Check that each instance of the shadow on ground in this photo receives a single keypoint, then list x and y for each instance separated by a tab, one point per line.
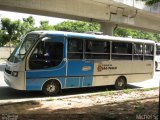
7	93
128	110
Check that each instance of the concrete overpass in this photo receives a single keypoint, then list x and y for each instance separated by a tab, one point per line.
110	13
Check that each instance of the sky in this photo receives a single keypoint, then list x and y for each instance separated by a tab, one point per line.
38	18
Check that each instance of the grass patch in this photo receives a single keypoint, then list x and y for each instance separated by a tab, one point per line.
127	91
107	93
148	89
50	99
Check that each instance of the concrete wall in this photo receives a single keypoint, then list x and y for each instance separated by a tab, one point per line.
5	52
155	8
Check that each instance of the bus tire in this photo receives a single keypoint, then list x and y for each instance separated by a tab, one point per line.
120	83
51	87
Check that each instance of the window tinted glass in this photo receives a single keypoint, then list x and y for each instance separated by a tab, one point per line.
158	50
75	48
138	51
97	46
46	54
121	51
97	49
148	52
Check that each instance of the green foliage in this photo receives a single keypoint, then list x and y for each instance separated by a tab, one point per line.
44	25
78	26
27	25
124	32
151	2
11	31
3	38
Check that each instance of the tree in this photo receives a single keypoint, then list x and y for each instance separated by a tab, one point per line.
77	26
44	25
151	2
3	38
124	32
28	25
10	29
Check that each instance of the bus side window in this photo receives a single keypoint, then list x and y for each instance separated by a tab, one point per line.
75	48
121	51
97	49
157	50
138	51
148	52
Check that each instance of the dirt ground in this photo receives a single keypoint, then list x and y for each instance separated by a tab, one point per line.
140	104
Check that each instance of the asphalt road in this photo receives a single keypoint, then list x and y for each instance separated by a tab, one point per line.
7	93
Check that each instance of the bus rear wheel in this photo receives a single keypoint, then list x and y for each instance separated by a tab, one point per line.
51	88
120	83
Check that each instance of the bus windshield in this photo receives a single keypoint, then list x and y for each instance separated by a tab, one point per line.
20	51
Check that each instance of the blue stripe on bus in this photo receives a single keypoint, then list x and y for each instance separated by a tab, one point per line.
36	84
75	68
60	70
77	77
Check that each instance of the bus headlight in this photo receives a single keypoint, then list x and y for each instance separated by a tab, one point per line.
14	73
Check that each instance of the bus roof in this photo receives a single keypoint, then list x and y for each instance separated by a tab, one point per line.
93	36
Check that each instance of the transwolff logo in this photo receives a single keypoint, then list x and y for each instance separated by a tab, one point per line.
102	67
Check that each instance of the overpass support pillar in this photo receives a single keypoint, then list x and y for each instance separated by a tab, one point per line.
107	28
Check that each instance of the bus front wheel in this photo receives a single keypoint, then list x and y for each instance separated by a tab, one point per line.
120	83
51	88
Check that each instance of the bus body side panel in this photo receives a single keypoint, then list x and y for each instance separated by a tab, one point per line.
157	60
37	83
106	72
36	78
80	73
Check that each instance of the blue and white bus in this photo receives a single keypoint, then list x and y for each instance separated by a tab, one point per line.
54	60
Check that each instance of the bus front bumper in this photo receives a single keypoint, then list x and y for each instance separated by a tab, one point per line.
14	82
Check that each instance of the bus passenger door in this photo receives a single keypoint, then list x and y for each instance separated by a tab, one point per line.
79	71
